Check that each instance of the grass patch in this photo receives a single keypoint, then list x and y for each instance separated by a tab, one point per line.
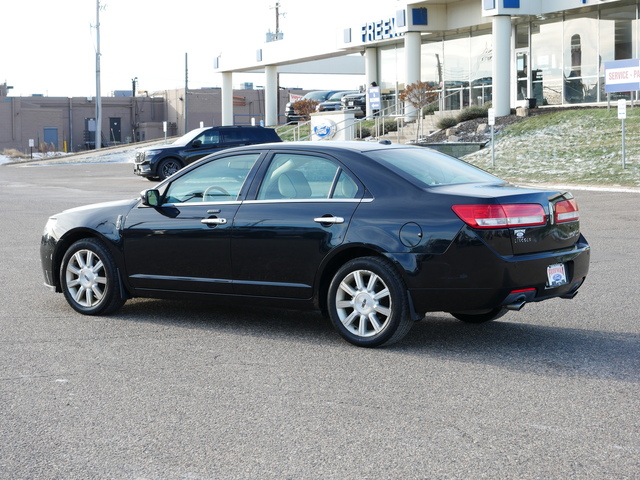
13	153
582	146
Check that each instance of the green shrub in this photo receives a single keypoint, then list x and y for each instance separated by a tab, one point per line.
367	128
471	113
446	122
431	109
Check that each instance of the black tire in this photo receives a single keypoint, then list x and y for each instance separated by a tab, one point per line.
168	167
368	303
480	317
89	278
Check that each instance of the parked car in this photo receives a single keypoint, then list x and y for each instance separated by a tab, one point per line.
333	103
355	103
318	96
373	235
161	161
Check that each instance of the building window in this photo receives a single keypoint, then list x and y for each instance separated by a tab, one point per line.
391	65
546	60
481	65
431	64
618	39
456	72
581	62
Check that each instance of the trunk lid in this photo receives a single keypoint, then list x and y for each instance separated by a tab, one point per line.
559	229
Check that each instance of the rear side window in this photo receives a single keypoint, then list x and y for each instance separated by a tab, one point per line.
264	135
235	137
428	168
300	177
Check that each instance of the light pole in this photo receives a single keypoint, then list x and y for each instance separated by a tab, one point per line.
134	81
98	139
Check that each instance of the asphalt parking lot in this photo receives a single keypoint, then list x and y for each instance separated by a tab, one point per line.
172	390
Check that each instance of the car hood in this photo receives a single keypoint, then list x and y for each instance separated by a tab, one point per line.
164	146
104	218
121	206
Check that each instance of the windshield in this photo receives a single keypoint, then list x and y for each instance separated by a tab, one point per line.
317	95
429	168
187	137
337	96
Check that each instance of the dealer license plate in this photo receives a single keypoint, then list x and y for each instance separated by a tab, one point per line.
556	275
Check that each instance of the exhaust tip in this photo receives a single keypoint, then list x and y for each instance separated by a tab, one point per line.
517	304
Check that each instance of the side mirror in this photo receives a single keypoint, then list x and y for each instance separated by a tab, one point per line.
150	198
196	143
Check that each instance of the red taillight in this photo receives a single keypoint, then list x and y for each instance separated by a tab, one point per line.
567	211
501	216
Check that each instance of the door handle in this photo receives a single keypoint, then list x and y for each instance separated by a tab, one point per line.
214	221
329	220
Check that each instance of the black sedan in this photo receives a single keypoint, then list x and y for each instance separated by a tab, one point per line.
373	235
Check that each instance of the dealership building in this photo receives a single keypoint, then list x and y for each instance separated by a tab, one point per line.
510	52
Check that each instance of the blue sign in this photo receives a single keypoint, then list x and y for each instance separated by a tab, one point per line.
374	97
325	129
622	76
380	30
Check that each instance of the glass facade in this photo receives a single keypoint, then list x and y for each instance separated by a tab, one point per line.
558	58
481	69
546	61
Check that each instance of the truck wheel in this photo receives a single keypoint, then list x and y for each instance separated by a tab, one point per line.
168	167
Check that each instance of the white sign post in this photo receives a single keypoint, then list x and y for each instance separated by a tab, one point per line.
492	121
622	115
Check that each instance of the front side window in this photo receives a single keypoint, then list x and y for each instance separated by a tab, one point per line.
218	181
210	137
297	176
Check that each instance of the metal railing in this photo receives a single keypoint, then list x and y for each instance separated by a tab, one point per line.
395	111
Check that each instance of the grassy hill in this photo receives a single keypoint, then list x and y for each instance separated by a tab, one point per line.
581	146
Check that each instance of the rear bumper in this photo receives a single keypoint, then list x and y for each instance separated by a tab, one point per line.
486	280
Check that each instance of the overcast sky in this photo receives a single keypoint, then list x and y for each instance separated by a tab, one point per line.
48	47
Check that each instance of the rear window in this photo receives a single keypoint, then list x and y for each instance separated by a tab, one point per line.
429	168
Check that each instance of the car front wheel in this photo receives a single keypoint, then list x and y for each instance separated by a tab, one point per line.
168	167
368	303
89	280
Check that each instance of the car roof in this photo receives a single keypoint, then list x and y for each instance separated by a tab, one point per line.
328	147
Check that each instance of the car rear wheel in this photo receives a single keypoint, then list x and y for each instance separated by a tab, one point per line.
368	303
168	167
480	317
89	278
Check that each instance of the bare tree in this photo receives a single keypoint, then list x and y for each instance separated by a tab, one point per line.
419	95
305	107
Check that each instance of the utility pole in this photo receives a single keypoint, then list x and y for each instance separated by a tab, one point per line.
134	109
277	7
186	92
272	37
98	139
